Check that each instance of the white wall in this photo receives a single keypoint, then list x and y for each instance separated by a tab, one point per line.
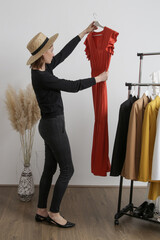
138	25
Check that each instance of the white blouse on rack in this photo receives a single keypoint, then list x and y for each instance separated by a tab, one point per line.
156	152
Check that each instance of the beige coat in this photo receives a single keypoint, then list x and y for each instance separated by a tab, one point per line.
133	151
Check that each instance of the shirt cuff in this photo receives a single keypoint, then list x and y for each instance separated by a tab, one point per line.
94	81
78	38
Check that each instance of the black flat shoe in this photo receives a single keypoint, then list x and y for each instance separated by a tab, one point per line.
139	210
40	218
67	225
149	211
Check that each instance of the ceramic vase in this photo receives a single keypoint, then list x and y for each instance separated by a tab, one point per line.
26	185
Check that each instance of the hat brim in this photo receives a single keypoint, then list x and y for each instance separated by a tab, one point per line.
33	58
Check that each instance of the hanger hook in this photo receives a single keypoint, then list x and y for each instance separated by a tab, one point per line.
94	15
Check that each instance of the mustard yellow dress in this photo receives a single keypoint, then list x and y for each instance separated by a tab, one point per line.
147	146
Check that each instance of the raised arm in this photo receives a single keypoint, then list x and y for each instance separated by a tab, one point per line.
65	52
89	29
69	47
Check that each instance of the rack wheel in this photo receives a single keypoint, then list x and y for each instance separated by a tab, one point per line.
116	222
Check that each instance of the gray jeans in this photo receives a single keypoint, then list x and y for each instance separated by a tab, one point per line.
57	150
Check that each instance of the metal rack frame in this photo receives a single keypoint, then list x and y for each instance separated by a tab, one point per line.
128	210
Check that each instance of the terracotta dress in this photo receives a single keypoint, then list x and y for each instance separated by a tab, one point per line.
99	48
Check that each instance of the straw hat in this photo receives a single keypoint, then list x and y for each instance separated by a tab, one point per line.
38	45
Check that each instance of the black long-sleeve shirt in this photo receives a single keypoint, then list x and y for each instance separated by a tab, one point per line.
48	87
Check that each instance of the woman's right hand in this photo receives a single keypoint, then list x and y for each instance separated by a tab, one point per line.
102	77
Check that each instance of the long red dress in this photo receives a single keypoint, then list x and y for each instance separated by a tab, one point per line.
99	48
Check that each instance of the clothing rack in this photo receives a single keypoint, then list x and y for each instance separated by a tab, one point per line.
128	210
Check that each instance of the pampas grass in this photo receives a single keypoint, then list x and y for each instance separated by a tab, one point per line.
23	113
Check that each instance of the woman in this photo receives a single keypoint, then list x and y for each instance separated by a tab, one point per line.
47	88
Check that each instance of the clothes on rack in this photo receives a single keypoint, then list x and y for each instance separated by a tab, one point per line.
147	147
154	190
156	152
135	142
133	151
155	79
99	48
148	139
119	149
130	207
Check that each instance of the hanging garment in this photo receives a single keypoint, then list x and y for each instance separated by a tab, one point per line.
154	190
133	151
99	48
119	149
156	152
148	140
155	79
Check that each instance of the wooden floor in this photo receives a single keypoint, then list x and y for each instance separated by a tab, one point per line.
92	209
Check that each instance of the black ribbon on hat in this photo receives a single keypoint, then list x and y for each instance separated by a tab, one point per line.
41	46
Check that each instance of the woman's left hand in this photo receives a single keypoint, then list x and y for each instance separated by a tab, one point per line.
90	28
